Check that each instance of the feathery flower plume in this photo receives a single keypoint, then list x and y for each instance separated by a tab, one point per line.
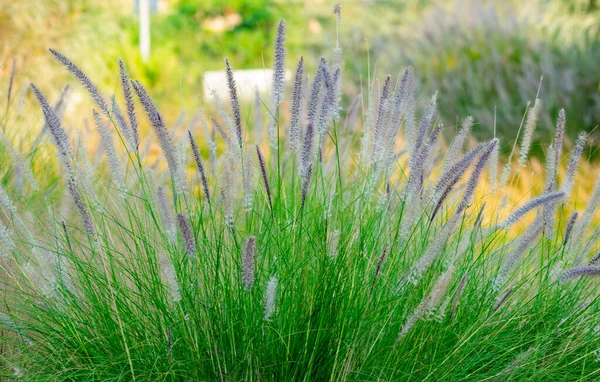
522	245
314	93
121	123
426	122
337	51
476	175
11	81
165	211
212	146
248	263
263	174
270	297
88	224
295	119
569	227
235	103
108	144
429	303
258	117
459	291
398	109
503	299
222	132
582	225
249	171
457	144
380	262
225	116
84	79
494	160
434	250
85	173
451	176
530	205
279	65
133	123
168	271
162	133
576	272
378	129
594	260
530	124
228	187
573	163
188	236
559	136
307	150
409	115
59	136
199	166
306	182
328	106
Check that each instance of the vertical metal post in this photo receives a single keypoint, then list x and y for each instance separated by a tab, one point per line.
144	11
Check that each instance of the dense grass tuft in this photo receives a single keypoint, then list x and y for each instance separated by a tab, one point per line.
381	257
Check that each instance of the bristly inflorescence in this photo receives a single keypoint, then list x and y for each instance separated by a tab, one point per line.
248	263
586	270
85	81
162	133
295	112
130	104
199	166
188	236
264	175
235	103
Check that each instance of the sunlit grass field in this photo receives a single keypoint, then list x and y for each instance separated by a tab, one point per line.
355	241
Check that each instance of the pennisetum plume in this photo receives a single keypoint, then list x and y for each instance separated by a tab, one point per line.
278	75
264	176
166	215
532	116
228	187
457	144
235	103
59	136
199	166
429	303
249	172
573	163
296	98
108	145
569	227
271	297
576	272
248	263
534	203
164	137
130	105
85	81
168	272
378	128
188	236
122	124
594	260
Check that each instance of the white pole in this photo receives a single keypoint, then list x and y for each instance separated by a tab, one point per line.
144	10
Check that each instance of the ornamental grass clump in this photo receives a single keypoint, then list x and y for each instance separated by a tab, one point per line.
380	254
